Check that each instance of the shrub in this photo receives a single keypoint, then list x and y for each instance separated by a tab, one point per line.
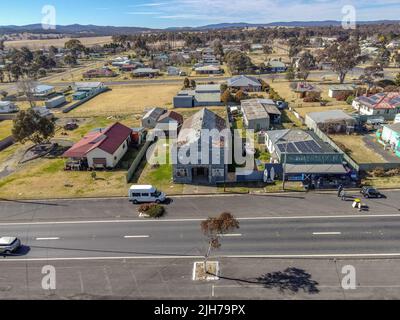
153	210
349	100
343	96
378	172
312	97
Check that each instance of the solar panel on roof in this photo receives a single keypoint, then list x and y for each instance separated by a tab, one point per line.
314	146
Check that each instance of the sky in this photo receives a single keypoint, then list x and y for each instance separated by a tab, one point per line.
192	13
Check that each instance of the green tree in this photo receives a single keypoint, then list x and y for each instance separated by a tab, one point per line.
290	74
186	83
218	48
305	64
344	57
267	49
30	126
397	80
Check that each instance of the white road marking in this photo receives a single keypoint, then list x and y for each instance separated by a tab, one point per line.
230	235
51	238
272	256
199	219
326	233
129	237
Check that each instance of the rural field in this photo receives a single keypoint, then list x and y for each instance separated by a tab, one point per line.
122	100
46	43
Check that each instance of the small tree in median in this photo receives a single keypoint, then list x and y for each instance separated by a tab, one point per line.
214	228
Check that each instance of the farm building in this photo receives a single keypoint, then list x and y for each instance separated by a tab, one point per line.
200	149
331	121
99	149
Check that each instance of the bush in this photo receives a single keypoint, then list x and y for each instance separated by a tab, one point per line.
349	100
343	96
378	172
312	97
153	210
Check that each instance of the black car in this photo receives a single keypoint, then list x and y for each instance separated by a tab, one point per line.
369	192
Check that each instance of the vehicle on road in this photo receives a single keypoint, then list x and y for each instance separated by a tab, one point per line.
9	244
369	192
145	193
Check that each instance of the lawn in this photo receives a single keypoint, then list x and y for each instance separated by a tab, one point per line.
46	178
5	129
355	147
124	100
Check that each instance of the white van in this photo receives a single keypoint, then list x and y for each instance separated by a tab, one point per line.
145	193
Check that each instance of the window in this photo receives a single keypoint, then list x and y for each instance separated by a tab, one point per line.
145	194
123	146
181	173
136	195
115	158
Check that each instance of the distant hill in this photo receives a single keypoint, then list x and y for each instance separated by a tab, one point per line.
93	30
75	29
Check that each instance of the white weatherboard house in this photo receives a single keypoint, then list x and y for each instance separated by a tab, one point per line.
386	105
102	148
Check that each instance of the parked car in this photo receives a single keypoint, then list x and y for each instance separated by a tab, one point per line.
9	244
145	193
369	192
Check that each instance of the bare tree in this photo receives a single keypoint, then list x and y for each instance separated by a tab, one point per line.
27	87
214	228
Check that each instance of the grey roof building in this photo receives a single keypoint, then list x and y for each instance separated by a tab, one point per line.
203	96
151	117
200	149
302	148
258	114
331	121
244	83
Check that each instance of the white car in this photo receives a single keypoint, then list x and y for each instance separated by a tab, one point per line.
9	244
145	193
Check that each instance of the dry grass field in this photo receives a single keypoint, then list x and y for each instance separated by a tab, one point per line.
123	100
46	43
5	128
357	149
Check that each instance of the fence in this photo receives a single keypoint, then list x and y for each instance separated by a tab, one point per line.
77	104
135	164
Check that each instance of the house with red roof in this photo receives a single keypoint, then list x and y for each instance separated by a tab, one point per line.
100	149
383	104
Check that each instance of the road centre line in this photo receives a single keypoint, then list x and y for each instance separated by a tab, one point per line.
198	219
230	235
143	236
50	238
272	256
326	233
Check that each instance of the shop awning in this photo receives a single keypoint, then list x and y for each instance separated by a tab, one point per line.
315	168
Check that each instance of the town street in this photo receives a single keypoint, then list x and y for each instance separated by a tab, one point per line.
198	206
373	236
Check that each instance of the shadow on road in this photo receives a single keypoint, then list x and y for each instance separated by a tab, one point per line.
290	280
22	251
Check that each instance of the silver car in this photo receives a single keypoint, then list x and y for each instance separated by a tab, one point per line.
9	244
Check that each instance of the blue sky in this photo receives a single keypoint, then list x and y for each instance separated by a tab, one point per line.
176	13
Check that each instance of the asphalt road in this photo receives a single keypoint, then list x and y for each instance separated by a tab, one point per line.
272	237
262	205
